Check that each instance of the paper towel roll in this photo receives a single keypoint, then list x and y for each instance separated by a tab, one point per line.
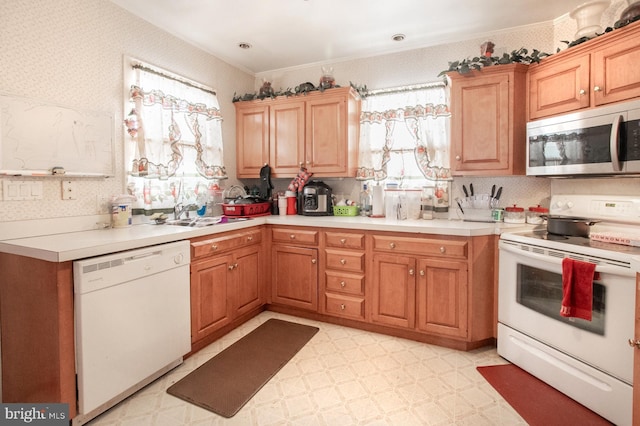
377	201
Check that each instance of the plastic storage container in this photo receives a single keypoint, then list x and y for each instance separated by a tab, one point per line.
121	211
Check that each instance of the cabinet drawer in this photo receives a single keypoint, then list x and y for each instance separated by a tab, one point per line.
424	247
344	306
206	247
294	236
345	240
343	260
345	283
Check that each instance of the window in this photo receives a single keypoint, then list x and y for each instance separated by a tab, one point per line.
404	136
174	148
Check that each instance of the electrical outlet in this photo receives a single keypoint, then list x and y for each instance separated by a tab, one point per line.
69	190
103	203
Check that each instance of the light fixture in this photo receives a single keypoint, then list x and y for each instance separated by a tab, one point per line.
398	37
244	45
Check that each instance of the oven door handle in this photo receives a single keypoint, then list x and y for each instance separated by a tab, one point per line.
603	269
614	143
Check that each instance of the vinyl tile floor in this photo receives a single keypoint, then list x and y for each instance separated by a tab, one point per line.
343	376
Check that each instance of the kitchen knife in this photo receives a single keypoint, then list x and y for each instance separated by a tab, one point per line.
471	189
464	189
498	193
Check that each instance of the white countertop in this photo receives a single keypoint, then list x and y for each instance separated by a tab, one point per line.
68	246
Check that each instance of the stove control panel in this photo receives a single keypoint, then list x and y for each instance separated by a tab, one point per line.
617	208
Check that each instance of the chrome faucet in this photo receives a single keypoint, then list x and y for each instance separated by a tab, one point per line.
178	209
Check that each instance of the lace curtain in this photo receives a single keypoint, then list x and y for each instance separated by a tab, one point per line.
176	127
404	134
174	150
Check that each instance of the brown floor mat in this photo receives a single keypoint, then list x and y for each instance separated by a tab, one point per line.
225	383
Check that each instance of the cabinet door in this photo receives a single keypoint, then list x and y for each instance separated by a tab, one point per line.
286	152
295	276
394	290
248	268
211	306
558	87
442	297
252	139
480	111
616	74
326	136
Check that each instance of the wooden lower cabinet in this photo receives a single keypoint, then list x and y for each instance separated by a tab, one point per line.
227	285
295	276
442	297
447	295
394	290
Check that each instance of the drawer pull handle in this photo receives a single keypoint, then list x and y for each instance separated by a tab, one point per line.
314	261
597	89
392	245
343	241
214	247
250	238
411	272
343	261
292	236
233	266
342	306
443	249
343	284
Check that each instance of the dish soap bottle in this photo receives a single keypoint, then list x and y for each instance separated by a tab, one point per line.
365	201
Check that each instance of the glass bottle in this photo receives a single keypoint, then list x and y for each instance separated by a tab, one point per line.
365	201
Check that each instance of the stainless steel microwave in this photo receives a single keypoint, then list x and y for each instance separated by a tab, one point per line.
602	141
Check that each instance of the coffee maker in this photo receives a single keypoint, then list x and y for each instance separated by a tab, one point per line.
315	199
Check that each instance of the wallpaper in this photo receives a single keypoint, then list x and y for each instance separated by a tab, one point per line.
70	52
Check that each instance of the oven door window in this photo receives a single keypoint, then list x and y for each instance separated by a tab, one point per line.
541	291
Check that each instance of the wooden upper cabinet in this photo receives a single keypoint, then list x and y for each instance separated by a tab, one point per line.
318	130
488	121
252	128
560	87
600	71
616	70
286	137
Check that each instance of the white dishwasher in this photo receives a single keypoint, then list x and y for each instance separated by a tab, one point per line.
132	315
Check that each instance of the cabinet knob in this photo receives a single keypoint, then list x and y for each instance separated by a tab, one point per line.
422	272
458	157
411	272
342	306
343	241
292	236
314	261
233	266
582	92
343	284
597	89
343	261
214	247
392	245
250	238
443	249
635	343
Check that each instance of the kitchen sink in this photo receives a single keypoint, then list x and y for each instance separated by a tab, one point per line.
205	221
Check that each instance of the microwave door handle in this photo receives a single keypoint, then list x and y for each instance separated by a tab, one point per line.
614	143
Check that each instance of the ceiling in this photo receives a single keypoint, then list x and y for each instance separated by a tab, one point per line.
289	33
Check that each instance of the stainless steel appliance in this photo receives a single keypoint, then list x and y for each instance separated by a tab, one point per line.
132	314
590	361
599	141
316	199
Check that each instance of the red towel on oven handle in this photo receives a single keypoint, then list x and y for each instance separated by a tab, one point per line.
577	288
